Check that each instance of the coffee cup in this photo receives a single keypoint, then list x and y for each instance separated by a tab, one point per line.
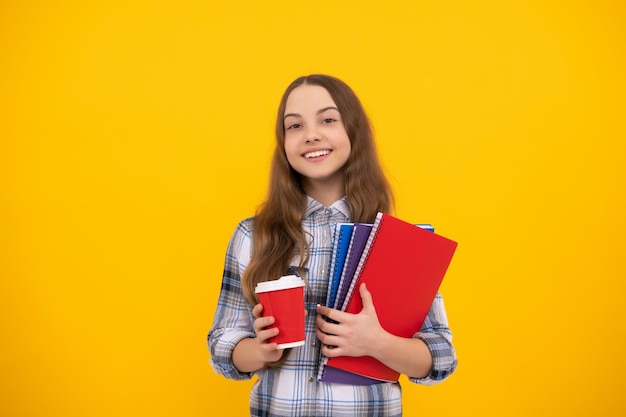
284	299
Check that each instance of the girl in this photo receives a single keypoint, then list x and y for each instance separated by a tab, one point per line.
324	170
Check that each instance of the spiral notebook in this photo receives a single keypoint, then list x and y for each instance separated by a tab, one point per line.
358	240
403	267
341	243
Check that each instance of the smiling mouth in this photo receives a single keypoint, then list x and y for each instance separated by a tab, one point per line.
316	154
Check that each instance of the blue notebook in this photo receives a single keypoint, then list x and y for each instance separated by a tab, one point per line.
341	243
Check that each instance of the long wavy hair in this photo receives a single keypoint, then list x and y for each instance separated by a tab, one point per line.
277	230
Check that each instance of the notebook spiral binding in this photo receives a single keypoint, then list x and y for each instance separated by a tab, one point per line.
366	253
334	266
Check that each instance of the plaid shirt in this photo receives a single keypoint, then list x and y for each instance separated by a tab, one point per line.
293	389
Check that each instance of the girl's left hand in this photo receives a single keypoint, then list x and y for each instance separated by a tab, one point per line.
355	334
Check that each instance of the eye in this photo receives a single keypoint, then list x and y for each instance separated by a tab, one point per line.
293	126
328	120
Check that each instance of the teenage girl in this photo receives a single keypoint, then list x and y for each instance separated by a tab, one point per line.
324	170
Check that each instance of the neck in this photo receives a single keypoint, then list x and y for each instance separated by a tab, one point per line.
325	193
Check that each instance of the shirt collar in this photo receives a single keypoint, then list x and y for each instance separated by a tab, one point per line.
340	205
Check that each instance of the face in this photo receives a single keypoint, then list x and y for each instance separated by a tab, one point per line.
316	143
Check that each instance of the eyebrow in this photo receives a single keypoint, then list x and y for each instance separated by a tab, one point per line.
320	111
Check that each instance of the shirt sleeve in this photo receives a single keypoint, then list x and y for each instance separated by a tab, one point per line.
438	337
233	316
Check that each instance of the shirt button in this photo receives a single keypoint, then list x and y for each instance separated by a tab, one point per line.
313	344
311	379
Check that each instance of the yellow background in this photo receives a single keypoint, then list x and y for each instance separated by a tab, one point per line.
134	135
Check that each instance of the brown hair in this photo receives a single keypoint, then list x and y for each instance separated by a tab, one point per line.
277	230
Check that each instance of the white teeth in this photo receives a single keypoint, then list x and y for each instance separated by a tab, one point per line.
316	154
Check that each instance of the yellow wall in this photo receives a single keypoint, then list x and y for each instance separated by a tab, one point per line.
135	134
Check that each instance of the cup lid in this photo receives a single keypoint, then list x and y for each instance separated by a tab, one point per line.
283	283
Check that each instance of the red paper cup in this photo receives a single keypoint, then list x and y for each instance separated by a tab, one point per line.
284	299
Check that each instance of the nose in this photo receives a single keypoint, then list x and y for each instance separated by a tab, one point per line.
312	135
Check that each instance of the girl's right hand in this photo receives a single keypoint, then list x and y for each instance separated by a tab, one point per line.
269	350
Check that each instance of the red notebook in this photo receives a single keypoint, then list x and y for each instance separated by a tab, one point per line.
403	267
